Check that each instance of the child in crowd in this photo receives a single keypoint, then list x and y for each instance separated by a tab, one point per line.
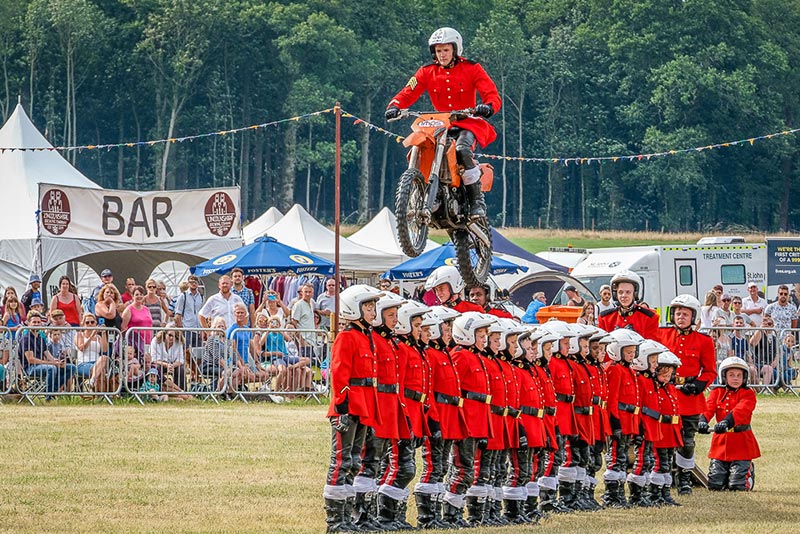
152	389
733	446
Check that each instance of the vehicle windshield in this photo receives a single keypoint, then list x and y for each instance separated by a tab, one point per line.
561	297
594	283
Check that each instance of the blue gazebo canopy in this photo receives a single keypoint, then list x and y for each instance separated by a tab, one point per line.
265	255
424	264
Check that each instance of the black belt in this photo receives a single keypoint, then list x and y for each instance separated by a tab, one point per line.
513	412
582	410
630	408
740	428
414	395
364	382
479	397
498	410
670	419
388	388
596	400
452	400
549	410
565	398
535	412
651	413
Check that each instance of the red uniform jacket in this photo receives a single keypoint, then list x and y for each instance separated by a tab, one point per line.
564	387
602	426
454	88
583	407
732	445
462	306
353	361
416	384
698	360
474	380
393	418
643	321
512	420
671	433
548	394
530	403
497	312
499	405
623	397
650	414
447	387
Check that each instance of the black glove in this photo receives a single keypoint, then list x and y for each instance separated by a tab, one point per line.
616	425
523	439
341	423
702	426
343	407
690	388
484	110
435	428
721	427
391	113
482	443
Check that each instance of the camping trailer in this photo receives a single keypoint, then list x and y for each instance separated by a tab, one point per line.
670	270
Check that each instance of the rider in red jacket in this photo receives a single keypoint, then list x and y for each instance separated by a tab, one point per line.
451	82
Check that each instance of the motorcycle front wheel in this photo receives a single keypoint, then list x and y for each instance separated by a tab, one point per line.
412	227
473	256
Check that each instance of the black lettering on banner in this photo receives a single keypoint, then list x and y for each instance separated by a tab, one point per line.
114	215
159	216
138	218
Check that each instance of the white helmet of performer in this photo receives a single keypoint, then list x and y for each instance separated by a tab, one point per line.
446	36
667	358
388	300
623	337
626	276
544	337
441	314
466	324
560	330
407	312
647	348
446	274
582	331
509	327
733	362
351	299
684	301
601	336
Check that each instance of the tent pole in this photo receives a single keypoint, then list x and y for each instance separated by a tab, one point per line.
337	209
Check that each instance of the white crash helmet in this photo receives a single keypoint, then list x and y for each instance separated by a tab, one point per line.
582	331
546	337
560	330
601	336
733	362
441	314
668	358
388	300
351	299
684	301
623	337
444	36
510	327
446	274
408	311
626	276
465	325
647	348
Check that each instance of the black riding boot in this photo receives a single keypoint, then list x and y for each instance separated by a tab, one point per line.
364	513
531	508
453	516
610	497
639	496
566	492
387	512
426	515
475	509
336	517
477	204
684	481
400	517
666	498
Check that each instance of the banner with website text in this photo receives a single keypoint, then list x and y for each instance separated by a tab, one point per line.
138	216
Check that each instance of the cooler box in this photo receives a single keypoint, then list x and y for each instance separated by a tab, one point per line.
568	314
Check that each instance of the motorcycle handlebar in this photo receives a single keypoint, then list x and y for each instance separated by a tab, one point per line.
457	114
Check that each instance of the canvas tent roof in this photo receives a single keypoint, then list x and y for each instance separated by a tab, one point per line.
259	226
300	230
375	234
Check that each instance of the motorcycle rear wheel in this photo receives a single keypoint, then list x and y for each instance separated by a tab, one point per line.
412	230
474	269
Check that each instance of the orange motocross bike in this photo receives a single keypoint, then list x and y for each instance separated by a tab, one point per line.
430	195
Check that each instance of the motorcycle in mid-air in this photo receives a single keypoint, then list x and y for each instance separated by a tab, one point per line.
430	195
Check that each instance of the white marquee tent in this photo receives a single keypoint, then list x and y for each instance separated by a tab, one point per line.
259	227
22	250
300	230
375	234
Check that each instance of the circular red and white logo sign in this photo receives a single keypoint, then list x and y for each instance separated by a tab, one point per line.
220	213
55	212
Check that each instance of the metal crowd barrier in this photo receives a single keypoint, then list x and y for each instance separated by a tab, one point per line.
773	357
71	375
8	362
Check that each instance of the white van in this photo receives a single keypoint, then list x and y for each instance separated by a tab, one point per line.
670	270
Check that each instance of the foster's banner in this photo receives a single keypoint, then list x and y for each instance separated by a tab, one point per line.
138	216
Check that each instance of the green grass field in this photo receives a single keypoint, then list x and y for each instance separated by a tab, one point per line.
197	467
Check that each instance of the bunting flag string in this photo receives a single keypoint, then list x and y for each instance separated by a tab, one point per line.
171	139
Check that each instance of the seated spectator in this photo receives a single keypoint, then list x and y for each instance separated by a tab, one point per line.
538	301
152	389
5	355
108	307
168	357
790	354
722	344
242	336
273	305
216	356
709	310
764	345
12	317
272	348
67	336
135	360
298	359
37	360
92	354
739	344
736	305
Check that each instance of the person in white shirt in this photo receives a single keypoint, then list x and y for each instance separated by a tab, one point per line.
782	311
605	300
708	311
736	304
168	356
753	305
221	304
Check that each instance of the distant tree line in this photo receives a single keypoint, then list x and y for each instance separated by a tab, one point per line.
578	77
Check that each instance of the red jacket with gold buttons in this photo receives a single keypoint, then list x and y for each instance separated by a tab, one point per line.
671	427
460	305
530	401
602	427
451	89
472	372
542	370
498	387
650	414
416	382
623	397
564	387
353	359
583	401
393	418
698	361
447	382
643	321
738	405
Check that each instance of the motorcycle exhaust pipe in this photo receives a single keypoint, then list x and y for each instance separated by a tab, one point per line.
478	232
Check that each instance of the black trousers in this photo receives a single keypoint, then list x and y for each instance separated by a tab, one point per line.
434	461
738	475
461	472
346	454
